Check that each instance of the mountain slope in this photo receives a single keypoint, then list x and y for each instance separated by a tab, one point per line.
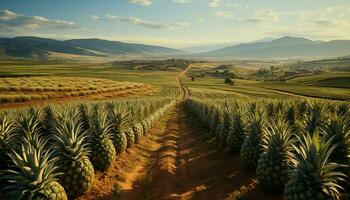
286	47
114	47
41	47
36	47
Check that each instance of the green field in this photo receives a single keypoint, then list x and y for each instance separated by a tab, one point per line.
328	85
331	79
95	70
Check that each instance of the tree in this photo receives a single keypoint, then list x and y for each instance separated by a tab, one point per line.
229	81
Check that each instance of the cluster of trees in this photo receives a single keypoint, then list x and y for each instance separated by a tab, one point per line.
224	73
229	81
164	65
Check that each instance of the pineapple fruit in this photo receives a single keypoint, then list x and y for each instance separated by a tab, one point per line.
272	169
103	152
251	148
70	144
237	132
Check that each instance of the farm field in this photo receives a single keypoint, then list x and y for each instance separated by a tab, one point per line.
332	79
174	100
92	70
188	140
330	85
49	87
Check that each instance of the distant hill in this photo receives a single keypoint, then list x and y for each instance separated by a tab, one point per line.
285	47
211	47
205	48
41	47
114	47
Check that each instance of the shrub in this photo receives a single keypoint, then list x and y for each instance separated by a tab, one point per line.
229	81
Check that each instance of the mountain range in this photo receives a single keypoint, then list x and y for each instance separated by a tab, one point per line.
41	47
269	48
284	48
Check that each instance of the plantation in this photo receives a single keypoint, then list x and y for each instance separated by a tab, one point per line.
45	87
297	147
53	152
179	138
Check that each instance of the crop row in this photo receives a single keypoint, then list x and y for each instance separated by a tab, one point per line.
53	152
299	148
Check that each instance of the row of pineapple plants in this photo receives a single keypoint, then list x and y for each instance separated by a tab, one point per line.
299	148
53	152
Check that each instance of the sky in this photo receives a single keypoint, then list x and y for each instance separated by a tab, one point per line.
176	23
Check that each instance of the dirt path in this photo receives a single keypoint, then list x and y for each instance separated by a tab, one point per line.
190	166
185	92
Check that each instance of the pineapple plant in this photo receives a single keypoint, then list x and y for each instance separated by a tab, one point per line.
270	109
145	126
33	175
27	122
291	115
219	126
118	119
100	139
303	107
273	165
138	131
136	115
313	120
204	113
338	131
313	175
49	117
72	150
84	116
343	108
214	119
223	128
237	132
7	137
251	148
129	133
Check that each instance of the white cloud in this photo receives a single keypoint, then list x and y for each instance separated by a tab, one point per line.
234	5
329	23
12	20
223	14
214	3
95	17
182	1
147	24
150	2
202	20
142	2
265	15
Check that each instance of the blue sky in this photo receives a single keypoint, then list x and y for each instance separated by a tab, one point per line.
176	23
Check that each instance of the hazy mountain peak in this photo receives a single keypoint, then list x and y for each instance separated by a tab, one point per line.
285	47
295	40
